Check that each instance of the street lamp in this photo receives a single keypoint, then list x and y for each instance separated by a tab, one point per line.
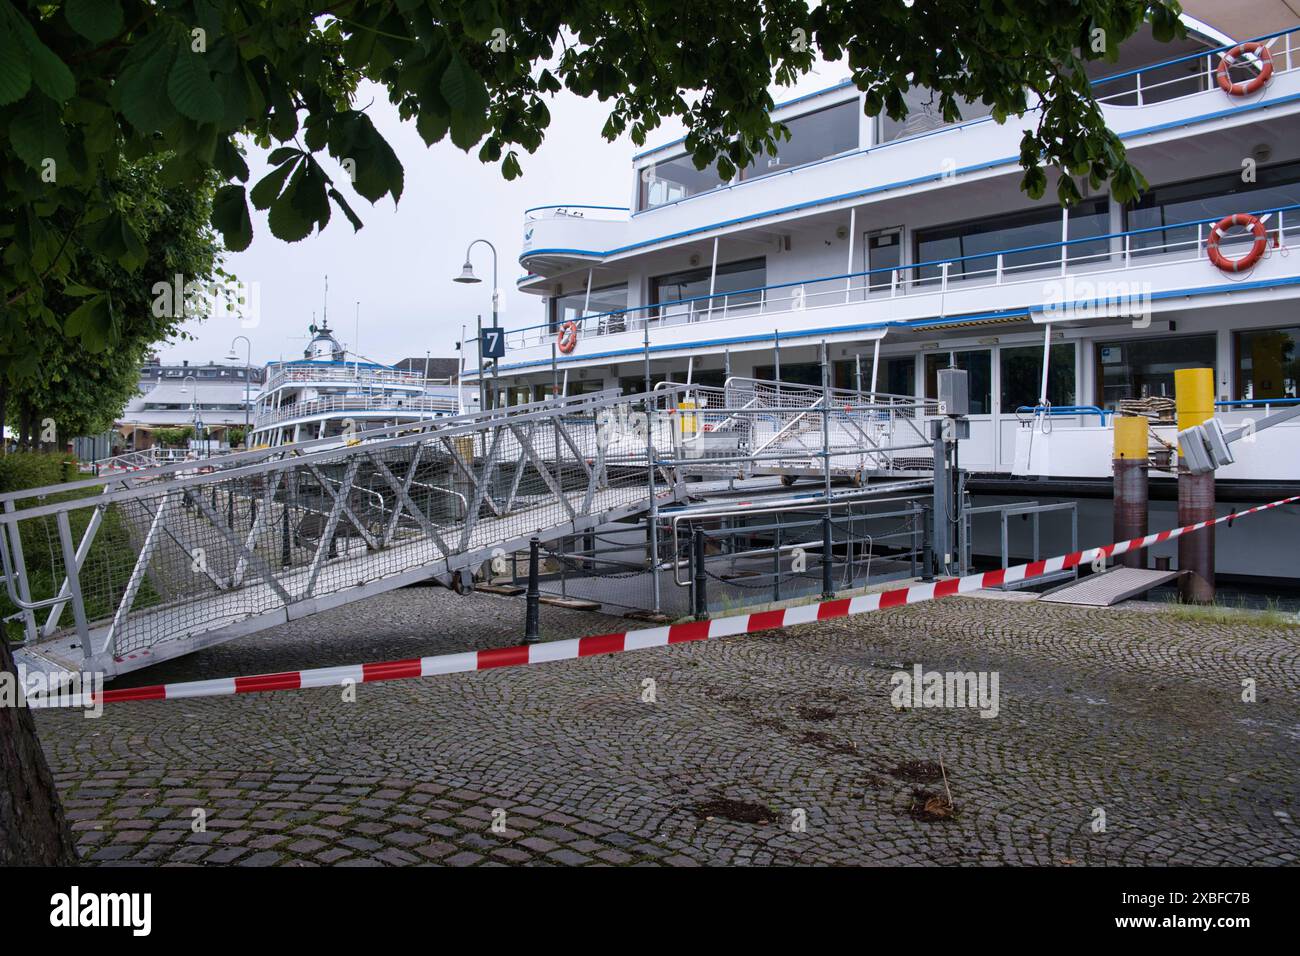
194	402
248	374
467	276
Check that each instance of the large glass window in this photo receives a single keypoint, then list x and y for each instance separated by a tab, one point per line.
924	114
894	376
985	238
1210	198
1268	363
794	373
1144	368
570	306
813	136
979	366
1022	376
735	280
669	180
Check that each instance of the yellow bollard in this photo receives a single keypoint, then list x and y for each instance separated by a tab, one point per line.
1194	399
1130	472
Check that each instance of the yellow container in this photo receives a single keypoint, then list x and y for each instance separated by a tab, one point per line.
690	421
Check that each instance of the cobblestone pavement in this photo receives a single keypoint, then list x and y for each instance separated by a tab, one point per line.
1136	714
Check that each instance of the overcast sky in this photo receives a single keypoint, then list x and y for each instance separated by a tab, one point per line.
399	267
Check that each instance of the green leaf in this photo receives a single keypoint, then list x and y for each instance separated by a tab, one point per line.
144	76
96	20
15	77
271	184
37	133
463	88
230	217
49	72
92	321
347	210
191	88
285	219
431	125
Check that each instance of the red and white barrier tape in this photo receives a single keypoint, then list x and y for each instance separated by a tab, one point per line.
630	640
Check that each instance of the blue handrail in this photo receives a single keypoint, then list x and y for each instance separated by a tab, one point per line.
910	266
1257	401
1065	410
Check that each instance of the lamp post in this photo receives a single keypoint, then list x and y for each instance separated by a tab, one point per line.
194	402
248	374
467	275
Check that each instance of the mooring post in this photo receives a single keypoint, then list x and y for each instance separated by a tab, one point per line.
533	599
1194	397
1130	470
927	543
828	560
701	584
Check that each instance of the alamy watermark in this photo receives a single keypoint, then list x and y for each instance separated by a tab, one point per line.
1075	298
922	688
79	689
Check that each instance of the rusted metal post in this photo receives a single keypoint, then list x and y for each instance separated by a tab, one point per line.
1131	471
533	599
1194	395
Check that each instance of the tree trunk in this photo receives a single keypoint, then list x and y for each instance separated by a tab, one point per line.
33	829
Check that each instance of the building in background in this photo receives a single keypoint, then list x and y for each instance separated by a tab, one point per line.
219	396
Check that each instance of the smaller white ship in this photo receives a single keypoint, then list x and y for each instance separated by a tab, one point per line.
330	392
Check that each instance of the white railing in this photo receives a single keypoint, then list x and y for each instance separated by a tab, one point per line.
351	374
1145	85
420	406
1050	263
577	211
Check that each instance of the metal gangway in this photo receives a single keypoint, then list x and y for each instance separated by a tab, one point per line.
117	572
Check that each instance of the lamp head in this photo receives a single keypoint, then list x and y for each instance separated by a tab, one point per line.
467	274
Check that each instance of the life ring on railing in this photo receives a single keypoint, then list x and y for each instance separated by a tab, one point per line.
1245	87
1254	224
567	340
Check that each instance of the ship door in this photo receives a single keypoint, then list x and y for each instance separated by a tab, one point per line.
884	252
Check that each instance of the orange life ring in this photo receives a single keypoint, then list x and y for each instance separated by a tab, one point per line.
1254	224
1246	87
567	340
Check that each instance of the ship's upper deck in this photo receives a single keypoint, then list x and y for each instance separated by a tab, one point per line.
838	158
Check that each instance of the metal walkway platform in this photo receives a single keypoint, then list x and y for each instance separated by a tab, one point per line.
1109	587
159	562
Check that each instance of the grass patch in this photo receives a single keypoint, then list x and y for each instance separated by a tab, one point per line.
1236	611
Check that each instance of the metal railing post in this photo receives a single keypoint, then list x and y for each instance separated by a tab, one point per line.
533	599
701	584
828	558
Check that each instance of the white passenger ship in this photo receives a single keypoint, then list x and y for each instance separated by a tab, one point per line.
907	247
327	394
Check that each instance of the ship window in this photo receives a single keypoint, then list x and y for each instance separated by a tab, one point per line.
1268	363
894	376
1210	198
979	365
792	373
635	384
813	136
584	387
924	114
611	298
672	179
1022	376
984	239
1144	368
738	281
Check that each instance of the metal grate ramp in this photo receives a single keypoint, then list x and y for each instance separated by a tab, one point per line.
1109	587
